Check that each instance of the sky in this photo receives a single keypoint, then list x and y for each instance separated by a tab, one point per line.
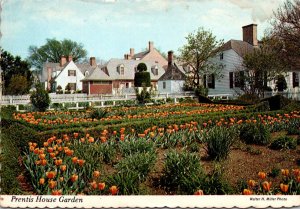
109	28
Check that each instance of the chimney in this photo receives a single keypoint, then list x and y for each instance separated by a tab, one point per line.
170	58
131	52
126	56
63	60
70	58
250	34
49	77
93	61
151	46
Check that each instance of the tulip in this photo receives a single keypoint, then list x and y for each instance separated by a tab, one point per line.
94	185
58	162
199	192
80	162
266	186
96	174
52	184
251	183
74	160
42	181
298	179
101	186
61	179
285	172
42	156
82	140
91	139
46	144
50	174
247	192
113	190
284	187
63	168
262	175
296	172
52	155
103	139
56	192
75	135
74	178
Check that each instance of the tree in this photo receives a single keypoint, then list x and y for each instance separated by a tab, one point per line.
40	98
260	66
286	28
196	53
15	70
53	50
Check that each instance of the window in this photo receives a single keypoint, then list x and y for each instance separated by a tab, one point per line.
164	85
221	56
86	73
127	85
121	69
101	82
236	79
237	82
71	72
154	70
71	86
211	81
295	79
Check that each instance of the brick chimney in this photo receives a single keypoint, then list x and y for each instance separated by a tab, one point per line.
151	46
63	60
126	56
250	34
69	58
170	58
131	52
93	61
49	77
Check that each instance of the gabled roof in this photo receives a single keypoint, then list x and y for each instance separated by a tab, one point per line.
173	72
129	69
141	54
240	47
97	75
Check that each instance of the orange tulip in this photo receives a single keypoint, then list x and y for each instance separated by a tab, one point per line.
96	174
42	156
80	162
296	172
36	151
50	149
52	155
113	190
247	192
52	184
43	162
42	181
74	178
101	186
63	168
251	183
56	192
262	175
91	139
199	192
285	172
69	152
284	187
266	186
298	179
103	139
82	140
46	144
74	160
50	174
58	162
75	135
94	184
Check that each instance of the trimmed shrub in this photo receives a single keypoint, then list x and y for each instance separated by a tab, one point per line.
277	102
142	67
255	133
219	141
249	98
182	172
142	79
40	98
284	142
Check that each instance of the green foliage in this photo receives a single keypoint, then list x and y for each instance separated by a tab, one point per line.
16	73
255	133
182	172
142	79
142	67
277	102
201	90
40	98
98	113
53	50
133	146
219	141
143	97
274	172
249	98
140	163
108	152
283	142
292	106
262	106
201	45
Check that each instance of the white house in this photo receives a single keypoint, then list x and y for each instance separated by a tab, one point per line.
172	81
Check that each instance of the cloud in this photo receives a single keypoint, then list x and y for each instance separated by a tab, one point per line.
260	10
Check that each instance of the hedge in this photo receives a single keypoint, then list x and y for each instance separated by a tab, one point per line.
142	79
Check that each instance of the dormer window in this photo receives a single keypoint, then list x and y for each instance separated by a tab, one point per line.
154	70
135	69
86	73
121	69
221	56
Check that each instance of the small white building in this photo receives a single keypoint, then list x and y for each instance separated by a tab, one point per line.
172	81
